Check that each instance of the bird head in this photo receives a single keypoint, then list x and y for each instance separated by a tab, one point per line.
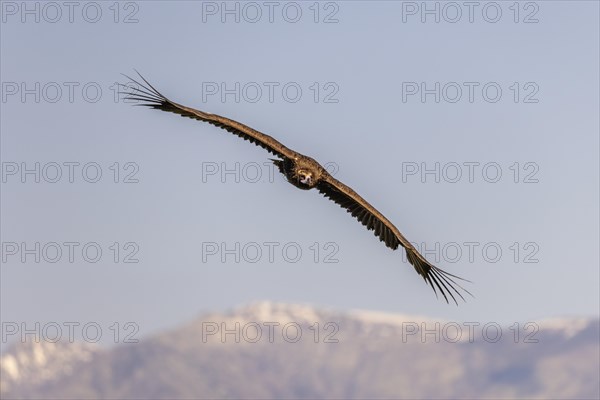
305	177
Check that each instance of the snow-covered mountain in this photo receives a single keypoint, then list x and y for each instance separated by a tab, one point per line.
35	363
272	350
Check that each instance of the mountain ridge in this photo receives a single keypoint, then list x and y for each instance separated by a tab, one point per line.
360	354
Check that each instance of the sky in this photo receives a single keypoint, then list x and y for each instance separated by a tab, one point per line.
473	128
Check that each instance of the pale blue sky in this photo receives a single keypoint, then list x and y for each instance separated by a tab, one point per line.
370	133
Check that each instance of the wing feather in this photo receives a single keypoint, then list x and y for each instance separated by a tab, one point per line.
150	97
391	236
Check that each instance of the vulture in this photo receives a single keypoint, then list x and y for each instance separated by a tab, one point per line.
306	173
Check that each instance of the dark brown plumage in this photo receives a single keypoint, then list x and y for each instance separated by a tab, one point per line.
306	173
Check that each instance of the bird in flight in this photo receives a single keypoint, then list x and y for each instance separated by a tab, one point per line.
306	173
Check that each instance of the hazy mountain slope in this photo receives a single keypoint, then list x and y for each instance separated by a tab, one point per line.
372	359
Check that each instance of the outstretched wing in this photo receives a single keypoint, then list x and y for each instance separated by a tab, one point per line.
389	234
154	99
